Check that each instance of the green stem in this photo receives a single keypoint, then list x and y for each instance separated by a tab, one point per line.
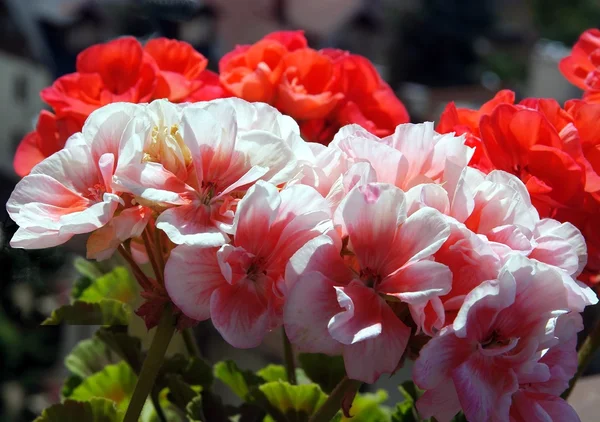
190	342
584	356
157	407
288	354
151	366
334	402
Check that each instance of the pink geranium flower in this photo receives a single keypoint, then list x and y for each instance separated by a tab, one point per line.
217	150
240	285
71	192
497	343
353	295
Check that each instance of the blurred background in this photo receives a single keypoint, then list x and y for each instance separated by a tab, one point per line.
430	51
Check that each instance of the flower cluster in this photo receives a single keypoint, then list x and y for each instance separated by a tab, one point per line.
582	67
322	90
120	70
366	248
554	151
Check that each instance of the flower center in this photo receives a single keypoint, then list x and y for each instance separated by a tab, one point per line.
167	147
96	192
207	192
369	277
495	341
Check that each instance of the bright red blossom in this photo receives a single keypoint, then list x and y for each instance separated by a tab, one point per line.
582	67
48	137
117	71
466	121
181	70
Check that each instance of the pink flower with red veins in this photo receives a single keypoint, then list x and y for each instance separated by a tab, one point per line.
240	285
71	192
497	343
354	295
218	150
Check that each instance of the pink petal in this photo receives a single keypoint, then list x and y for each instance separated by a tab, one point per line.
367	360
129	223
421	235
482	305
417	282
240	313
211	140
388	163
439	357
320	254
310	304
440	402
483	390
427	195
191	225
361	318
192	274
254	216
371	215
537	407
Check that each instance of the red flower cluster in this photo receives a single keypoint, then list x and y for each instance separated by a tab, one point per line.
582	67
555	151
121	70
322	90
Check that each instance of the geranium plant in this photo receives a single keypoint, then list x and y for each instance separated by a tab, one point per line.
309	204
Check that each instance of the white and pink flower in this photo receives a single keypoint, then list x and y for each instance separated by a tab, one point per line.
240	285
346	293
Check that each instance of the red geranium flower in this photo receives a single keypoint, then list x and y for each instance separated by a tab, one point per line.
464	121
252	72
369	100
118	70
181	70
556	154
307	87
49	137
582	67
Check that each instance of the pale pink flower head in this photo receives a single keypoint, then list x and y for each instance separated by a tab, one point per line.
240	285
414	154
71	192
354	295
496	342
219	149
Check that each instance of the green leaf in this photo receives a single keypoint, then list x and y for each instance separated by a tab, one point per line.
193	370
194	410
327	371
96	410
129	348
89	357
180	392
368	408
405	410
88	269
104	312
240	382
72	382
115	382
273	372
295	402
117	284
